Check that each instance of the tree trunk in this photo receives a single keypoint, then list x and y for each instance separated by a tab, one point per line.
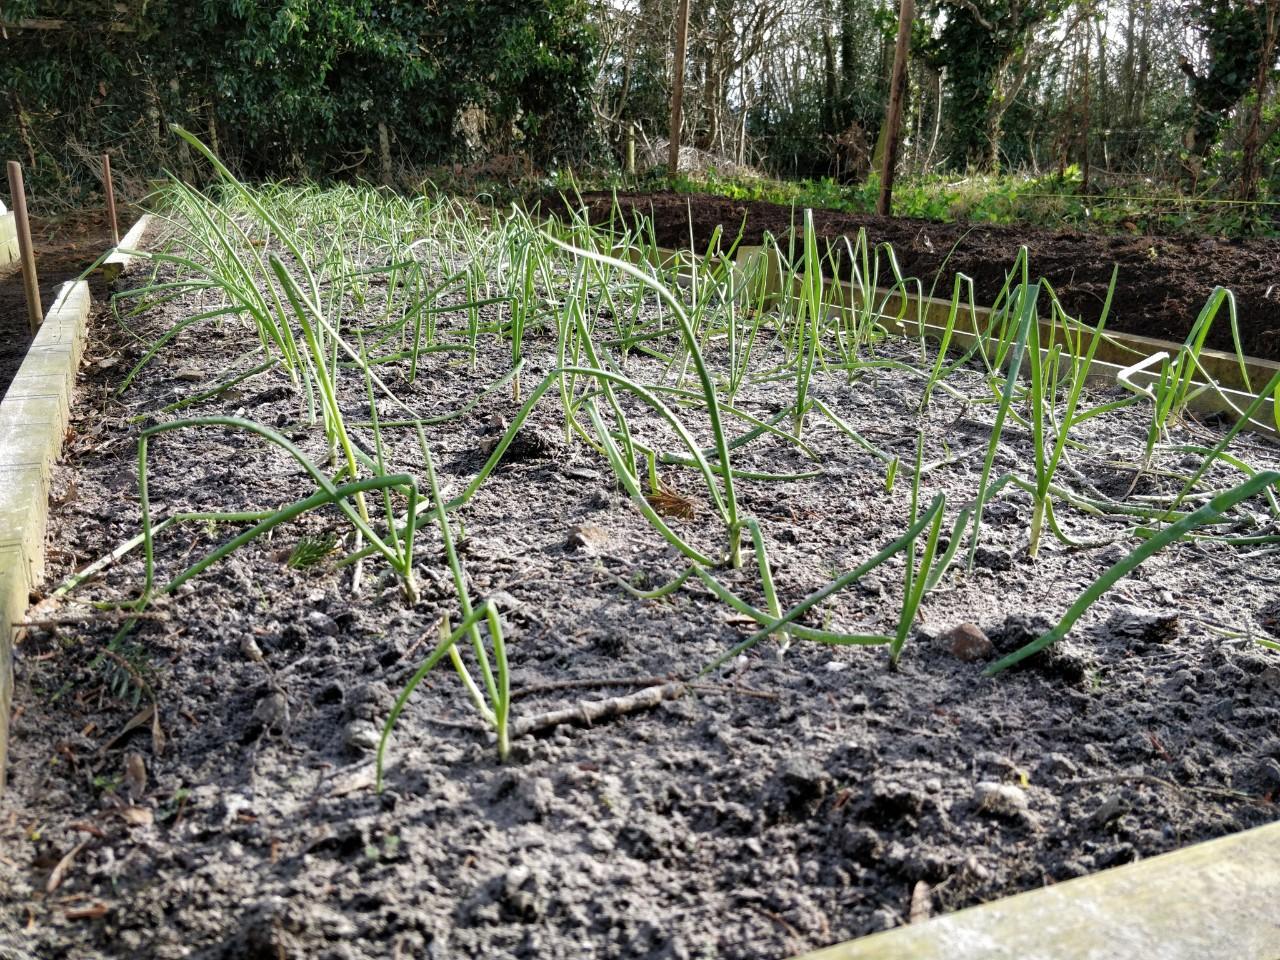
831	85
1251	163
677	88
1084	127
848	62
893	118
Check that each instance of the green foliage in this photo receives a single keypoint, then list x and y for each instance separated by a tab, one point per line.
311	551
1051	200
1231	30
297	87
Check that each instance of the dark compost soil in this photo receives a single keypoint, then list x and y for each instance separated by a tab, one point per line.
1162	285
795	801
64	246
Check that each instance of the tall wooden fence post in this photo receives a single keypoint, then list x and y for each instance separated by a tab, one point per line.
384	152
893	119
111	199
30	283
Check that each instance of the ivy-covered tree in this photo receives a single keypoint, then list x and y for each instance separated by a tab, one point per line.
979	43
1240	51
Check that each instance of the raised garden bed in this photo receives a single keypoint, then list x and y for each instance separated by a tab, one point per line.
204	782
1163	281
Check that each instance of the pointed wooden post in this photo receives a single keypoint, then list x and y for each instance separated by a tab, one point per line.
111	199
17	192
677	88
893	117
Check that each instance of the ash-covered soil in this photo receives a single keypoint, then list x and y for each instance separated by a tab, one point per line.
206	790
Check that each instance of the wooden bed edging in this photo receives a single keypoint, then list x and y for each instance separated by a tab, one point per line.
8	238
909	315
1210	901
34	415
121	256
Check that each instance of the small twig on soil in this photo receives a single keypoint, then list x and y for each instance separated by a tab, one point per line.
733	688
591	711
63	866
1160	782
596	682
776	918
471	726
110	616
591	683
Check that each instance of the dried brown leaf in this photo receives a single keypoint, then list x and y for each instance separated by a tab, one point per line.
63	866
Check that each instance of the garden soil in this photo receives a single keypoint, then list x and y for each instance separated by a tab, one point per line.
206	789
1162	284
64	247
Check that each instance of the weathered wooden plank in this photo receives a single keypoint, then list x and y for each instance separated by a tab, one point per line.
8	238
33	420
122	255
1210	901
910	315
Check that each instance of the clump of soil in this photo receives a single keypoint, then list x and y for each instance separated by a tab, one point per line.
1163	281
206	789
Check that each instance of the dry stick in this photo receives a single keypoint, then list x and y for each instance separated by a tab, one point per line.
586	684
1167	784
111	198
591	711
31	285
94	616
384	152
553	685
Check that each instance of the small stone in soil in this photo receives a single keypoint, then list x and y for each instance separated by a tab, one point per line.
1001	800
369	700
322	624
272	711
361	736
1059	765
1268	771
967	642
587	538
1110	809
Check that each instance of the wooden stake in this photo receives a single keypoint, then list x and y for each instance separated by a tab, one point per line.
630	169
384	152
893	117
677	88
111	199
17	191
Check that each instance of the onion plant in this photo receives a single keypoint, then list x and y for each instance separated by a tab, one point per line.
396	546
1256	484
